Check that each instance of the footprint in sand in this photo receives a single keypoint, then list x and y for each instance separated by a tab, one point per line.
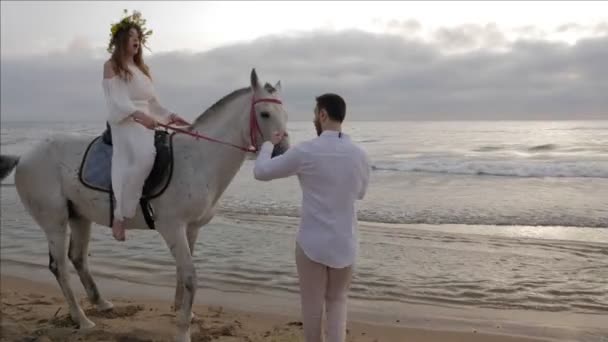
40	302
116	312
212	333
135	336
66	321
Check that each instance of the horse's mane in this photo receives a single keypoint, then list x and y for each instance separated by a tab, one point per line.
217	106
220	104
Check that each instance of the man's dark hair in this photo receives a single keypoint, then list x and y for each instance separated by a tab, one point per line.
334	105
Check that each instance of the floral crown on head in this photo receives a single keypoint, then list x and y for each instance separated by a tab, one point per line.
134	19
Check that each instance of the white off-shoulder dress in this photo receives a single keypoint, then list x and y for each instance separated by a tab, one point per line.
133	144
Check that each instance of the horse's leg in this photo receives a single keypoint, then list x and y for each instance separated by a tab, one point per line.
191	233
177	241
78	254
57	236
39	182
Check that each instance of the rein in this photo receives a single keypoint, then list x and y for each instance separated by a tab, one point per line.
254	128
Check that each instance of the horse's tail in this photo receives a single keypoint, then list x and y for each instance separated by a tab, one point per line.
7	164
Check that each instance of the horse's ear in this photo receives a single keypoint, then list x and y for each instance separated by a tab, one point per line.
255	84
278	86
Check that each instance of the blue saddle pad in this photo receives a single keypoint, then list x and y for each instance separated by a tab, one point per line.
96	169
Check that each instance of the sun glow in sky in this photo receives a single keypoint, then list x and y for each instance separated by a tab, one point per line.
199	26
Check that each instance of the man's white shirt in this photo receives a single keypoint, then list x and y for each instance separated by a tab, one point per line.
333	174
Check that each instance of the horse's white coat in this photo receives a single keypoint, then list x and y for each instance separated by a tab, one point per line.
46	179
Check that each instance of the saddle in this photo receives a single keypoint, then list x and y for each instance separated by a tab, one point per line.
95	170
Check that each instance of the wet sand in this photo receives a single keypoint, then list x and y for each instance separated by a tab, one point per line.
36	311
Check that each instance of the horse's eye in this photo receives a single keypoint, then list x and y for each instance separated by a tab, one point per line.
265	115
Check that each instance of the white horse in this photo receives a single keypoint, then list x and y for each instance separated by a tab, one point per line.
47	181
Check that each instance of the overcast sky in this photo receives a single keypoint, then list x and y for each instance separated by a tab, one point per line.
390	60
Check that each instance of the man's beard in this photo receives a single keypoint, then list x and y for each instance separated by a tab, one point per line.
318	127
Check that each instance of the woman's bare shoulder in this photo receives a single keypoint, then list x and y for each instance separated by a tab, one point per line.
108	69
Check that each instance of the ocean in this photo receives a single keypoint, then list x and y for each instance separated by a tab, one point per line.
497	215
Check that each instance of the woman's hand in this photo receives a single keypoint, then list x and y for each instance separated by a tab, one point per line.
176	119
145	120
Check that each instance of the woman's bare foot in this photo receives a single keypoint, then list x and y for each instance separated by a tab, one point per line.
118	230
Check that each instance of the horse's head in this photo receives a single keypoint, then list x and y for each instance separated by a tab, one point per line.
269	113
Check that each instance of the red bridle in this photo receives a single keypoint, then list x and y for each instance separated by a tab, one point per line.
254	128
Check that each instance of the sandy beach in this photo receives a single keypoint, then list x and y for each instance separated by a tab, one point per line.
33	311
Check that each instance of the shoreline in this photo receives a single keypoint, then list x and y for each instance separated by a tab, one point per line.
30	299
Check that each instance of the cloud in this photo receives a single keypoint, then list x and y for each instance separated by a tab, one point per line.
601	28
471	36
570	27
382	77
573	30
408	27
530	32
80	45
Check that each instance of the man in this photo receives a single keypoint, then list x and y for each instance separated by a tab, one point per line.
333	174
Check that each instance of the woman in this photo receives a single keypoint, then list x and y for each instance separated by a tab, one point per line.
134	112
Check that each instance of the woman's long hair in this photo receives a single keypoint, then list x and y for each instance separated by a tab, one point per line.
121	41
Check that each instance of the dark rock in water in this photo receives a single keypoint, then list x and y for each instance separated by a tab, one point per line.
546	147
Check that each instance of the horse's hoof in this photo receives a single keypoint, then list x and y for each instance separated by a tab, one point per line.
104	305
85	324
